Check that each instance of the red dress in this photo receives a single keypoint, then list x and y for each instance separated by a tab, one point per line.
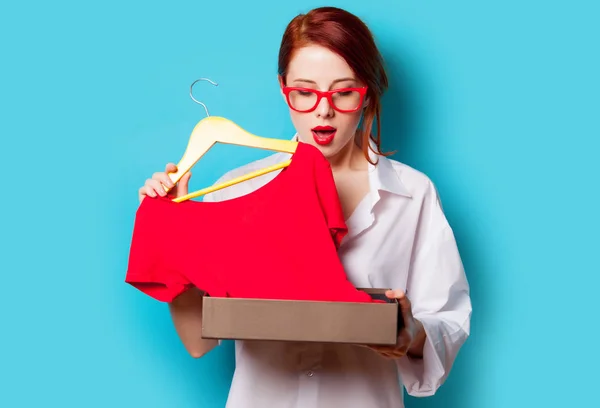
277	242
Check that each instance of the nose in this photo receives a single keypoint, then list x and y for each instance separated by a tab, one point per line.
324	109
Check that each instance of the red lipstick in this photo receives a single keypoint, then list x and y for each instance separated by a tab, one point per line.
323	135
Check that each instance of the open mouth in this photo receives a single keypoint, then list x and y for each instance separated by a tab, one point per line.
323	135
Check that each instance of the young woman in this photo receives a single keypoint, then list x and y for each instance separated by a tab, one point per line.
332	78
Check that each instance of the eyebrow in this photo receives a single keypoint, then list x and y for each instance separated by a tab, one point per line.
313	82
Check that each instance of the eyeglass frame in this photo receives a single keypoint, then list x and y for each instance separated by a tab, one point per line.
325	94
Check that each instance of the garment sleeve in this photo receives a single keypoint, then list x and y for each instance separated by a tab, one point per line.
439	293
215	196
153	265
330	201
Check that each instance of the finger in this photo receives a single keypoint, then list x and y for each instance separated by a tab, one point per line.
387	351
378	349
407	317
381	349
146	189
150	192
396	355
156	187
400	295
182	186
143	193
394	294
170	168
405	304
164	179
389	354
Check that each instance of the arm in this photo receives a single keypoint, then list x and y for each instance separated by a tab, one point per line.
186	313
185	309
439	296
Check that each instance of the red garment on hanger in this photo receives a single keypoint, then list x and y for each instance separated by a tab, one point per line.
277	242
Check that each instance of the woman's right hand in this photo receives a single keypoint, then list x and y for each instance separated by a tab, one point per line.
153	187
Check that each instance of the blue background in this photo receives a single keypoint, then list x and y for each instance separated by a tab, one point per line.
497	103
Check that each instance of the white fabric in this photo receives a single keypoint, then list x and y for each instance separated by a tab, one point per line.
398	238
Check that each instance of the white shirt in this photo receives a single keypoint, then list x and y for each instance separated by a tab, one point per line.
398	238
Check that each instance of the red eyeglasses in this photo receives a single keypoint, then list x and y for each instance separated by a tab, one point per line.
342	100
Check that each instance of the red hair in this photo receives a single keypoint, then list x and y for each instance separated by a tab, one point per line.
348	36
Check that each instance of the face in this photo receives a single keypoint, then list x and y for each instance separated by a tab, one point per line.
331	131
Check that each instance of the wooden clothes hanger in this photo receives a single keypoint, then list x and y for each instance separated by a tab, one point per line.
215	129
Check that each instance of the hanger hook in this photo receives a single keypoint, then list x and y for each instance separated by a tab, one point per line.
192	95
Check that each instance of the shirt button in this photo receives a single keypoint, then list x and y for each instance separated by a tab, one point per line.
310	373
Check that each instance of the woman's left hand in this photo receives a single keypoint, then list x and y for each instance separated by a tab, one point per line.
411	338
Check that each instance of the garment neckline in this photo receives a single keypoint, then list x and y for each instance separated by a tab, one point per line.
278	179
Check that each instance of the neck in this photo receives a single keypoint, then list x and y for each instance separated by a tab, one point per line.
350	158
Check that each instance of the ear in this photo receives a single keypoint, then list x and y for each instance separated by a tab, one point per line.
366	102
281	85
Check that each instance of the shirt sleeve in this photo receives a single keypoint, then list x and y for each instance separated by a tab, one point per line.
330	201
439	293
153	266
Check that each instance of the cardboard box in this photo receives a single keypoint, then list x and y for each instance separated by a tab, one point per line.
304	321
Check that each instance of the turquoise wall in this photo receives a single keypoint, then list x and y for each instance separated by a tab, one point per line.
497	102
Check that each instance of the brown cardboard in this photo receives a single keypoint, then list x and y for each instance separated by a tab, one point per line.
305	321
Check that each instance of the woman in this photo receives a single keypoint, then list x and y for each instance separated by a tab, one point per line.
398	237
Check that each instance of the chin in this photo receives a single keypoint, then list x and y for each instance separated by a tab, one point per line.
328	150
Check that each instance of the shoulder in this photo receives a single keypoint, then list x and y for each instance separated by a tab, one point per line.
425	202
417	184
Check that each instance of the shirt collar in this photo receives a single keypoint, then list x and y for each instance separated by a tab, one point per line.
382	176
